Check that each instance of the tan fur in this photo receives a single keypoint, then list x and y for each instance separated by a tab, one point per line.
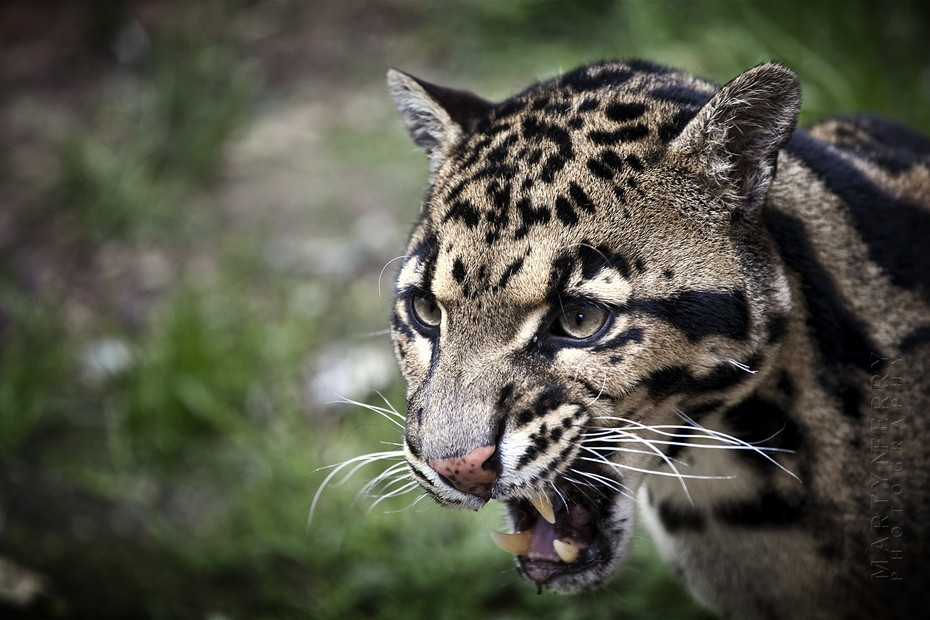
763	290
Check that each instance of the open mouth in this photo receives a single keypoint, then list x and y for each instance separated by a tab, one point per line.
557	539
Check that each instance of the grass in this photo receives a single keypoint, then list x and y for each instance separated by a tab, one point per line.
161	356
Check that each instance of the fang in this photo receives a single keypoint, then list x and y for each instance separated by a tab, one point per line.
543	504
517	543
567	550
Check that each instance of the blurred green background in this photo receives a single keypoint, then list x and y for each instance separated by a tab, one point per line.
197	201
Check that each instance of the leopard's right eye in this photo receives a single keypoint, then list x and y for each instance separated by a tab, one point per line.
580	321
426	311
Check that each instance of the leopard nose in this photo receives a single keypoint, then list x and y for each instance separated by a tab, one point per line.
473	473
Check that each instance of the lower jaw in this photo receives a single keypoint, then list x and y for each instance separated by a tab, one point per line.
554	575
555	568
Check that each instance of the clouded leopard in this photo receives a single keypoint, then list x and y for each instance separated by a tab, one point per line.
632	291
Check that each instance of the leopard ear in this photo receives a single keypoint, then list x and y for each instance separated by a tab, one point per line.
436	117
736	136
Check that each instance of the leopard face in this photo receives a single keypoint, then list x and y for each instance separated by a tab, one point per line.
588	280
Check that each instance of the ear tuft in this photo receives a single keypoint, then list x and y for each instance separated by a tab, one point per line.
436	117
735	138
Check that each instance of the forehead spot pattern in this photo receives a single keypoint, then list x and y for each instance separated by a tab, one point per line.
557	154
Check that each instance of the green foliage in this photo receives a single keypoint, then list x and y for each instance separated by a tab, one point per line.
34	354
126	174
197	95
851	55
190	378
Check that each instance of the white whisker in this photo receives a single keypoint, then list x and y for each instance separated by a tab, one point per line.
629	437
390	414
684	444
603	384
415	501
610	483
375	334
737	441
385	478
390	407
381	275
674	474
676	435
558	492
393	481
740	365
355	463
406	488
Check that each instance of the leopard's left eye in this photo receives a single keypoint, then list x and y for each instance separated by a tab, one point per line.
580	321
426	311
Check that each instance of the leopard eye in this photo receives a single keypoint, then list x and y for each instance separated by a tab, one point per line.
581	321
425	310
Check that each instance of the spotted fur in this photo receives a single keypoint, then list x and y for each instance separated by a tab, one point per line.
632	287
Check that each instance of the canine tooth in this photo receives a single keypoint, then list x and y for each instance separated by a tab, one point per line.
544	505
517	543
566	550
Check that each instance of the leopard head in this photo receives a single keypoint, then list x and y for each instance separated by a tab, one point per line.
588	277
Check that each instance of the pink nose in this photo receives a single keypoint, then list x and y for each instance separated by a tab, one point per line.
468	473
